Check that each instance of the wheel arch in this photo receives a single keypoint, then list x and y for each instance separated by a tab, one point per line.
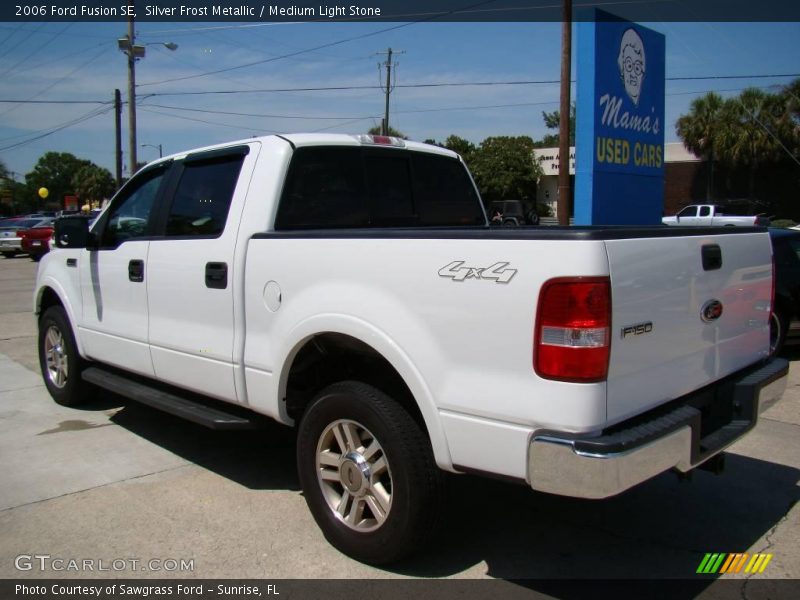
317	353
49	294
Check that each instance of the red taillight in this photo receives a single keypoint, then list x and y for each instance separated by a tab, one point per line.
572	340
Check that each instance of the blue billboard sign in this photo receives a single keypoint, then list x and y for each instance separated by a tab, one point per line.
619	174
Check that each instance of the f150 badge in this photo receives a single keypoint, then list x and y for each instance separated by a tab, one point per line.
497	272
638	329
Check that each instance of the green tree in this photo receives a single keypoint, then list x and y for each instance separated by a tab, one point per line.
701	130
790	119
504	169
93	184
55	171
552	120
15	197
791	96
750	131
460	146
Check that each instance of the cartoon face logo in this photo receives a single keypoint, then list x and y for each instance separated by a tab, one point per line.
632	64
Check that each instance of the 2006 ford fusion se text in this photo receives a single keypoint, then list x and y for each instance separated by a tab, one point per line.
340	285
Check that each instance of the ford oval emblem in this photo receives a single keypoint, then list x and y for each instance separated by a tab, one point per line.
712	310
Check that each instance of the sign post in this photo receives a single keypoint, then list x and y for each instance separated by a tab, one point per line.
619	177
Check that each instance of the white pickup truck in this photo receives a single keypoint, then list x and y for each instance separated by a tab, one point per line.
713	215
341	285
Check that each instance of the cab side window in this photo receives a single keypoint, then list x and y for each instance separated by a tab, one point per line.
203	197
130	216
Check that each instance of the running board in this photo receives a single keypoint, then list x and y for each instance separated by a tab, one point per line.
175	405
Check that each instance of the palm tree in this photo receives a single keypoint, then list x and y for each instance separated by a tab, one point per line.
700	131
93	184
790	120
751	130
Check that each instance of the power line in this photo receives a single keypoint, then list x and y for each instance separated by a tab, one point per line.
260	115
56	82
90	115
23	40
407	85
355	119
38	49
439	84
61	57
240	127
344	88
53	101
704	77
320	47
275	58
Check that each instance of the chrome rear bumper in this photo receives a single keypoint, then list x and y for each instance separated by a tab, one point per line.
605	465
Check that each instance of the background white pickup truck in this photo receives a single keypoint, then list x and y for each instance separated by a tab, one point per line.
713	215
345	285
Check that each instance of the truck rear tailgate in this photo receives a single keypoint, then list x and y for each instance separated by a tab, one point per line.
686	311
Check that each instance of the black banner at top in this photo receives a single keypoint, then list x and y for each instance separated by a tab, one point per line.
394	10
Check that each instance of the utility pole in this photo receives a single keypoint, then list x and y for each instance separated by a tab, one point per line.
128	45
564	189
133	51
131	99
389	87
118	136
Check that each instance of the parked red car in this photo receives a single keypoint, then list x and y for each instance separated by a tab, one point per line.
35	241
10	230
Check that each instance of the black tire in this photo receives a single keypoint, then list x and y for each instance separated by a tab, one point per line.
9	254
66	387
411	477
778	328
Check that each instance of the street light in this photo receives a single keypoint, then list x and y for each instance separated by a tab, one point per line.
134	51
160	153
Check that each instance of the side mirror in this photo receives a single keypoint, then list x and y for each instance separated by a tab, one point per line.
71	232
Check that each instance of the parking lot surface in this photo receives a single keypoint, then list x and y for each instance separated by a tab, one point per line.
118	481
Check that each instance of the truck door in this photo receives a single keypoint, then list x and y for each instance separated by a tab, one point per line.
191	272
688	216
704	215
114	276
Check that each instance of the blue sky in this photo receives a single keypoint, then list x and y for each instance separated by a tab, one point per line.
80	62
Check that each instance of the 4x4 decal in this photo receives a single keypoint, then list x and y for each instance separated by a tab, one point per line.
497	272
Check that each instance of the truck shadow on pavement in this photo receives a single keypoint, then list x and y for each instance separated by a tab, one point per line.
262	459
660	529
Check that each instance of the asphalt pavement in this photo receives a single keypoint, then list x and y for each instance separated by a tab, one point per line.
115	481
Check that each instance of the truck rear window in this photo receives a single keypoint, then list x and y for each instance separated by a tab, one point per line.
346	187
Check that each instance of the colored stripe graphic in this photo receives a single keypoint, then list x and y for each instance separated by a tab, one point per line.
758	563
726	565
721	562
711	563
734	563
